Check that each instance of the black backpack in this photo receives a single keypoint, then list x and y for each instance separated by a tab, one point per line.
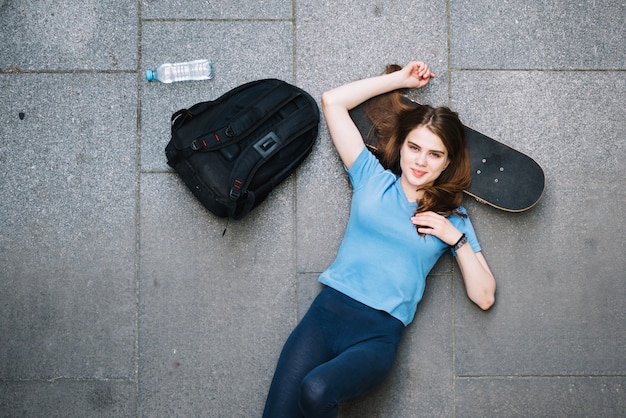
232	151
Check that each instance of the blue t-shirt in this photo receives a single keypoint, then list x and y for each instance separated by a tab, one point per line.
382	261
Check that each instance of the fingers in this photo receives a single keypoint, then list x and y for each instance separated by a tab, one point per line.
426	220
424	72
434	224
416	74
428	217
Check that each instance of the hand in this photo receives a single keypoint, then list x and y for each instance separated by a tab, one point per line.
432	223
417	74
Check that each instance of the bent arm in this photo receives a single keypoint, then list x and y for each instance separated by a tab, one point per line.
479	281
337	102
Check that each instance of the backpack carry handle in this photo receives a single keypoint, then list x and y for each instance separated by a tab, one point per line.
240	125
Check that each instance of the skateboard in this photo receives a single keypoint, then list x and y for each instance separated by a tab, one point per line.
502	177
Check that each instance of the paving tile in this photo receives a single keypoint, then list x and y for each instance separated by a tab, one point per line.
421	383
540	397
214	309
537	34
233	9
346	40
240	52
552	117
88	35
67	243
356	50
68	399
323	204
548	317
560	265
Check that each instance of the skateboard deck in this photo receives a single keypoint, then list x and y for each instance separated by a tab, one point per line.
502	177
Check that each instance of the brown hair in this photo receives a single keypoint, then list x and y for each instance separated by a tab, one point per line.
393	117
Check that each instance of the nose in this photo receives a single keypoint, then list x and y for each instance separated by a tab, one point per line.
420	159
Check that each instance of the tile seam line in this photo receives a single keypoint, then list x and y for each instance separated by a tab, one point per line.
452	271
225	20
433	275
294	43
69	379
547	70
449	51
138	231
61	379
466	377
547	376
157	171
17	70
294	77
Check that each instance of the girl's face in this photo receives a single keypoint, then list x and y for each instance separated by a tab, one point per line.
422	159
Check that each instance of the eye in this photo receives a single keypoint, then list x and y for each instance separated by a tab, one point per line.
435	155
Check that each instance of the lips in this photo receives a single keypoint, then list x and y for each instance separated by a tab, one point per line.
418	173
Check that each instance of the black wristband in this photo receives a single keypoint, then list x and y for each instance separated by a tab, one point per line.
461	242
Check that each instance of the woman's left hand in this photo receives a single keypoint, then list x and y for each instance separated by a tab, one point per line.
432	223
478	279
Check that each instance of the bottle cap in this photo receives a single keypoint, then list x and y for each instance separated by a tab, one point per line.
150	75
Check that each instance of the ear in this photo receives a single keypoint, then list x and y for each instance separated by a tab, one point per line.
447	164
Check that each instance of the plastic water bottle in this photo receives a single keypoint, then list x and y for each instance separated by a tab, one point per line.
181	71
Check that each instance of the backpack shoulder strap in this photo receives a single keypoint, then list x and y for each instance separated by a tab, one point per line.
263	149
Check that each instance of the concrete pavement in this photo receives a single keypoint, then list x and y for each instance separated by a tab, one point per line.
120	296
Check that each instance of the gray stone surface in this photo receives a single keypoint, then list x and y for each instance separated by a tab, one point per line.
214	309
68	398
561	290
232	9
67	244
86	35
121	297
541	397
542	34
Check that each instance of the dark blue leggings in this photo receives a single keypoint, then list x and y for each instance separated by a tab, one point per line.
340	350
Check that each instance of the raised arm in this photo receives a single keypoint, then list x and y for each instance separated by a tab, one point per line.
337	102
